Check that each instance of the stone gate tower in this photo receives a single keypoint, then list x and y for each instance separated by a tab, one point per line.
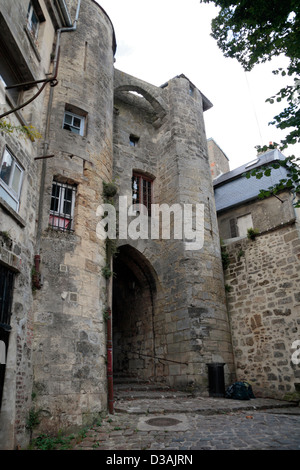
169	304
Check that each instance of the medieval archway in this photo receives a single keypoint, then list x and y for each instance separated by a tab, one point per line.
134	299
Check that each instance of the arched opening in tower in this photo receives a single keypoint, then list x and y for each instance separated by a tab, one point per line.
134	296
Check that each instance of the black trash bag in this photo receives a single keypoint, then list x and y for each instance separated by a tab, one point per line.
239	391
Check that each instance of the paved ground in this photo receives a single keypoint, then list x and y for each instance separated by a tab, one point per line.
167	422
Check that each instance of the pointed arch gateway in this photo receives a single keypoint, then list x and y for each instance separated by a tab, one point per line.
145	91
135	289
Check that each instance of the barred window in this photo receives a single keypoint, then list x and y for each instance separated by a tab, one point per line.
142	191
62	207
6	288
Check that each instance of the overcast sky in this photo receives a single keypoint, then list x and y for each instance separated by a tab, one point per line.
159	39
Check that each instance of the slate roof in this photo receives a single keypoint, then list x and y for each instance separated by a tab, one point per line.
232	188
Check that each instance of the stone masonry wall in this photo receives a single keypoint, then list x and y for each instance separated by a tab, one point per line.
18	227
219	163
70	379
264	306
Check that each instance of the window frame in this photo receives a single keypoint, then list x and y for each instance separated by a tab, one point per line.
142	180
77	116
60	219
7	187
34	30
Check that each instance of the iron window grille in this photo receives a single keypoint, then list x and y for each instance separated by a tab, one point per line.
142	191
6	290
62	207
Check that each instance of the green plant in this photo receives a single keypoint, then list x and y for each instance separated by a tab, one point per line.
109	189
46	442
6	236
32	420
98	422
256	31
107	272
240	254
252	233
225	258
82	432
29	132
106	313
111	247
228	288
6	239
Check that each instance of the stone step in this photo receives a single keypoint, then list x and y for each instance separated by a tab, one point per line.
140	389
120	377
123	381
147	386
153	395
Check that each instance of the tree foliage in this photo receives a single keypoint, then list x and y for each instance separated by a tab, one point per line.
291	182
253	32
29	132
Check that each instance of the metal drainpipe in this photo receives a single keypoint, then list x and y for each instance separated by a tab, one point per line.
47	130
65	12
110	385
109	346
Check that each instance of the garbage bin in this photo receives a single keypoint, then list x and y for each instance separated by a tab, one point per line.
216	379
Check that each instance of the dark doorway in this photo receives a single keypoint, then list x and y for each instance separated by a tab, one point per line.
134	297
6	290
